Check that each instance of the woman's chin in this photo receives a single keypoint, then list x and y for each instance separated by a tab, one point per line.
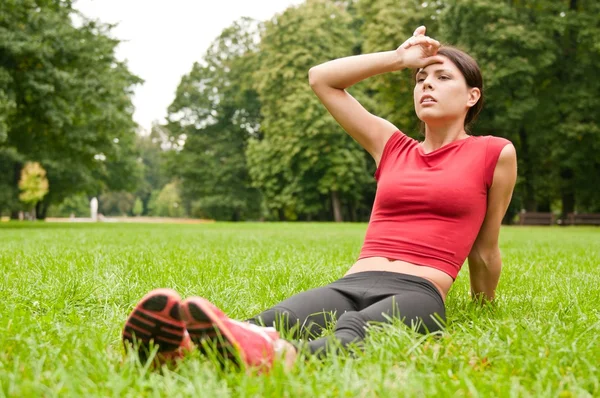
429	118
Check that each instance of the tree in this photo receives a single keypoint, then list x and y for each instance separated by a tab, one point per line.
153	164
167	203
571	112
116	203
9	193
33	185
75	205
535	56
305	165
138	207
215	111
65	99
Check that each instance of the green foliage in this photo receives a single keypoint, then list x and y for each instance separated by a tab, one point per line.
75	205
138	207
9	198
304	158
65	98
116	203
153	164
534	56
167	202
247	138
216	111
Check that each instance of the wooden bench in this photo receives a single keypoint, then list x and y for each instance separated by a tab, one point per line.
533	218
582	219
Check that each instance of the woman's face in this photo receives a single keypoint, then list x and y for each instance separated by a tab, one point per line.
441	94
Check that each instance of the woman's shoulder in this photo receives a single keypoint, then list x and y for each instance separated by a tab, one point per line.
491	144
493	148
493	139
399	140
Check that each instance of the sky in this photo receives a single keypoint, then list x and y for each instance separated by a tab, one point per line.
162	40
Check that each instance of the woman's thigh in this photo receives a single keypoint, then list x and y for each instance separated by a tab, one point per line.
306	314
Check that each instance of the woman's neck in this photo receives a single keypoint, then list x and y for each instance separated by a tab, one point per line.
439	135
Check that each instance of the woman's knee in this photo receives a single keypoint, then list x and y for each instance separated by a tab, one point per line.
424	316
351	327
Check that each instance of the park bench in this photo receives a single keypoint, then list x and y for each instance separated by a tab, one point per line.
583	219
534	218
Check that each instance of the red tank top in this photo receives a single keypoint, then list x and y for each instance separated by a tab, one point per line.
429	207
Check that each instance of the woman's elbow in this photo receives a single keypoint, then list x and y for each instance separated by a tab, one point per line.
313	76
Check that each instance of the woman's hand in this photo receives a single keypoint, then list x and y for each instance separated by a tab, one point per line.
419	51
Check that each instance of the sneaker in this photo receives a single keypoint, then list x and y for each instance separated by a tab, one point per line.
251	344
155	319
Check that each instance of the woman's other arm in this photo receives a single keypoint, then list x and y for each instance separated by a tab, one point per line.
485	262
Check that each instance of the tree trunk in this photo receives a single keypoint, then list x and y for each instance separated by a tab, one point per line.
38	210
337	209
353	216
567	192
42	208
544	206
529	194
14	214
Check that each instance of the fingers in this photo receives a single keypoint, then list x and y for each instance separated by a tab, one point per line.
419	31
425	41
433	60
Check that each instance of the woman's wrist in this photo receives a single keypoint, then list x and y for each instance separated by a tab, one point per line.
397	61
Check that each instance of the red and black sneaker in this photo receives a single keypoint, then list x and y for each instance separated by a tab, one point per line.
155	319
251	344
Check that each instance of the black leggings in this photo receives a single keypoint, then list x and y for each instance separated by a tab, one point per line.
356	300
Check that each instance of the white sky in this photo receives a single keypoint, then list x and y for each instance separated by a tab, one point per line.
162	39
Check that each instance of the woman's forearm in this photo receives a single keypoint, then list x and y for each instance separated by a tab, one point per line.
484	273
342	73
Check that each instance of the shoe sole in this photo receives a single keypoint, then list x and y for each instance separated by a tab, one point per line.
203	325
155	319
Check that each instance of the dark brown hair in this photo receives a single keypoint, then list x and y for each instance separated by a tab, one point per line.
472	74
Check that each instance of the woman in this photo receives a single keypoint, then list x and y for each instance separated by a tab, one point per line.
438	202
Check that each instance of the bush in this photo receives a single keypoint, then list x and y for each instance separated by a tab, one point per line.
77	205
167	202
116	203
138	207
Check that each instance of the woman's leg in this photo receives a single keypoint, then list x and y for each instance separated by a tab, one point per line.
421	308
254	346
306	314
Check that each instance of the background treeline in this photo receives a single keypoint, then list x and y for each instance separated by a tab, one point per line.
245	137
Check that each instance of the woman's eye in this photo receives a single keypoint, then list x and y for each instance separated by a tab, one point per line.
444	77
420	80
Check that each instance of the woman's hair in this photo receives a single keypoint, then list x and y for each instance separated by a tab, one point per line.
472	74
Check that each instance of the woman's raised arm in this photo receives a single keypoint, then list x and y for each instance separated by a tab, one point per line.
330	80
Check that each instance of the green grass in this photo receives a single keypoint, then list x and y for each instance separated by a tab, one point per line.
67	289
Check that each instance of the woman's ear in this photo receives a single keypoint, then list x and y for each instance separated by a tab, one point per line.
474	95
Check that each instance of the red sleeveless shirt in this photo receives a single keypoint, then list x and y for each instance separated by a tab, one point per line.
429	207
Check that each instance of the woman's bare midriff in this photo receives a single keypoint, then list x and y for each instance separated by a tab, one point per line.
440	279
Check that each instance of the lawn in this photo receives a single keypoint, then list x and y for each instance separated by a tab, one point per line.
67	289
